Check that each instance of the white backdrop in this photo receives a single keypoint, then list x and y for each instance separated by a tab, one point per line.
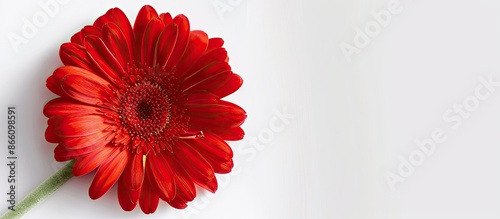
386	109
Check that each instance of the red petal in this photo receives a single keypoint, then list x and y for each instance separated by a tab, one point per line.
104	59
215	43
88	30
225	131
126	197
166	44
51	136
122	138
231	134
117	43
231	85
108	173
210	186
148	199
61	107
182	40
208	77
51	131
76	55
185	189
200	98
149	41
166	18
82	125
117	17
215	150
77	38
133	175
83	85
221	115
198	43
195	165
178	203
214	109
224	167
213	147
94	140
54	85
90	162
161	176
62	153
209	59
146	14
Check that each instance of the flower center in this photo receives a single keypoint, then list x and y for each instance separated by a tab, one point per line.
145	109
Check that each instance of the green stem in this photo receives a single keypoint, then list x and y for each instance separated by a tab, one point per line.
42	191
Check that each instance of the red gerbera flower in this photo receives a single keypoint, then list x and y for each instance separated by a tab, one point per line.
142	106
